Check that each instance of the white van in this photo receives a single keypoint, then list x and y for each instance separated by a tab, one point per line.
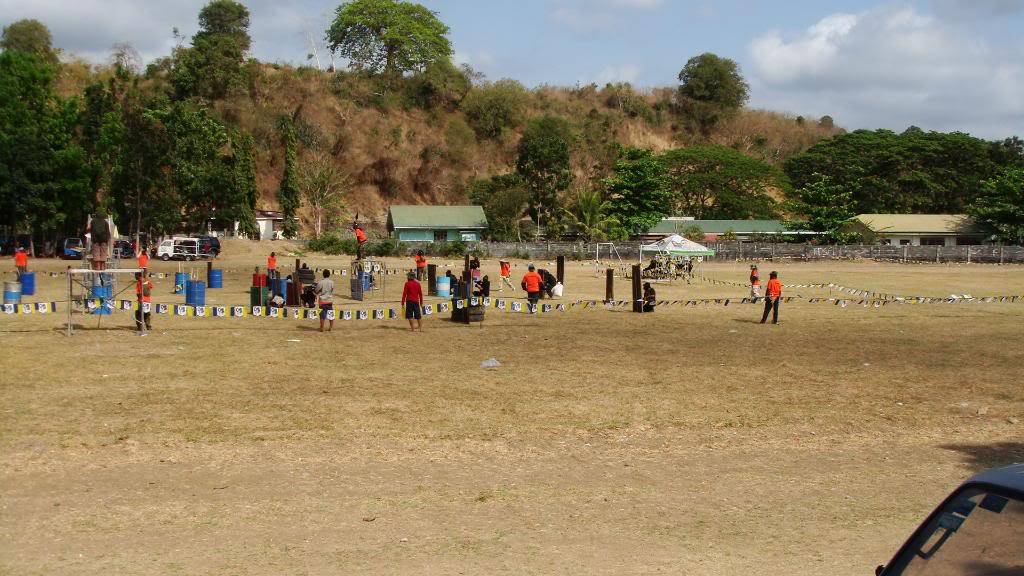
179	249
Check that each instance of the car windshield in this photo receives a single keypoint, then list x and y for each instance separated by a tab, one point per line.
976	534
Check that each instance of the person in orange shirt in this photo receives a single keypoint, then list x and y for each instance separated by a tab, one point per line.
271	266
506	276
143	291
360	239
533	284
755	282
773	294
143	259
421	265
21	261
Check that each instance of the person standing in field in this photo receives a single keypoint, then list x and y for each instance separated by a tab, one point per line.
421	265
506	275
21	261
271	266
144	295
325	296
412	301
755	282
143	259
532	284
360	239
773	294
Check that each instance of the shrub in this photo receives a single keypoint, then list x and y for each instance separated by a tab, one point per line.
495	108
332	244
387	247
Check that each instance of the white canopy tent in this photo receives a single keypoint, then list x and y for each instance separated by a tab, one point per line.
675	245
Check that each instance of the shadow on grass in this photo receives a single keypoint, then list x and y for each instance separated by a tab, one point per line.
984	456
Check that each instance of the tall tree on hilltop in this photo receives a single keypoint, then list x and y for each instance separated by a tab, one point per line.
31	37
543	164
388	36
639	196
288	196
213	67
711	88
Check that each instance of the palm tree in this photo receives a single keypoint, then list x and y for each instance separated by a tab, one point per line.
590	215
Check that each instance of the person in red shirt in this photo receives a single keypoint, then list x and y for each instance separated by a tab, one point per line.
412	301
143	259
360	239
533	284
143	291
506	276
773	294
755	282
421	265
21	261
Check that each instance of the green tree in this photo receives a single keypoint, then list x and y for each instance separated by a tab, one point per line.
716	182
288	196
711	88
999	208
504	199
44	180
324	187
31	37
694	233
638	195
214	66
825	207
543	164
388	36
916	171
590	216
494	108
441	85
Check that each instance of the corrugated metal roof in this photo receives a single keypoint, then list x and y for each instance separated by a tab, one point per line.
917	223
721	226
437	217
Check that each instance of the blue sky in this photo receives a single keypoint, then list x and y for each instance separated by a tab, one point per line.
938	64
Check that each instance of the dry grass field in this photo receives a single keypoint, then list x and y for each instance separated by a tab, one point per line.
688	441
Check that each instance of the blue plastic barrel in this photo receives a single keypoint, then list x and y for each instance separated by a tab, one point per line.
28	283
366	279
281	286
180	280
195	294
12	292
103	293
216	278
444	286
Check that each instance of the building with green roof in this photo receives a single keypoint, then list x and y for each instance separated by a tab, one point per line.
712	229
437	223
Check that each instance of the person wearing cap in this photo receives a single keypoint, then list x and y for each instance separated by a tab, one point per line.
773	293
533	284
412	301
21	261
755	282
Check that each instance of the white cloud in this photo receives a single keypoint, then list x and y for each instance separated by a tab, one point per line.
892	67
598	15
625	73
977	8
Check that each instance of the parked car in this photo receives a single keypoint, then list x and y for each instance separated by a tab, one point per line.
180	249
71	249
123	249
977	531
209	245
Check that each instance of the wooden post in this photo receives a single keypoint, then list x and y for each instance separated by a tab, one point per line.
1000	253
70	289
560	270
609	285
467	288
638	305
431	279
209	269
